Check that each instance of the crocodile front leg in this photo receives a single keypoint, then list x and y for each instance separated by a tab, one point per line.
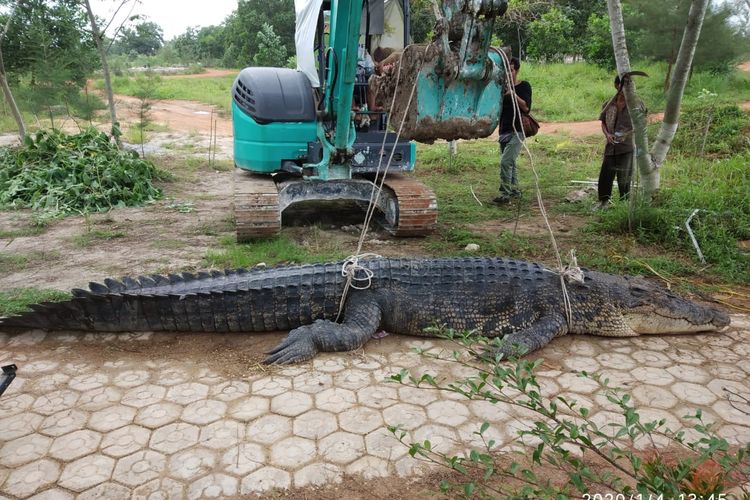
361	320
530	339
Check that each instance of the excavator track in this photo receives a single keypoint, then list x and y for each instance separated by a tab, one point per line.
415	211
256	206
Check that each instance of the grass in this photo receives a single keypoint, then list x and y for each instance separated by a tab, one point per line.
12	262
94	236
281	250
16	300
210	90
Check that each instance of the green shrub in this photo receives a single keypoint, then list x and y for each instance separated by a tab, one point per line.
61	174
713	129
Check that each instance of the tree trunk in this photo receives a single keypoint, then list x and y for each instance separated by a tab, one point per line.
680	76
4	83
649	173
105	70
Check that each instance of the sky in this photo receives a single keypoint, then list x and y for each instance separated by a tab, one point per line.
174	16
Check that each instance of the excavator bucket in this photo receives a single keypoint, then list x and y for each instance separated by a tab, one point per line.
428	103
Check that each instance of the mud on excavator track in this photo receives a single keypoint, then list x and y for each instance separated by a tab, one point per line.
406	207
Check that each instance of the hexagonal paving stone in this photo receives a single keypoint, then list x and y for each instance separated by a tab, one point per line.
328	364
143	395
164	489
360	420
24	449
735	434
75	445
229	391
291	403
693	393
575	383
406	359
383	444
313	382
652	359
368	467
315	424
335	400
213	486
270	386
341	447
727	372
26	480
111	418
88	381
652	375
448	413
158	414
292	452
131	378
86	472
369	361
31	337
125	441
488	412
442	438
247	409
50	383
615	360
581	363
172	376
654	397
421	396
251	457
317	475
377	396
174	437
204	411
722	388
353	379
265	479
187	393
731	412
139	468
469	436
269	429
96	399
19	425
14	405
685	356
222	434
405	415
110	491
191	463
40	366
63	422
56	401
53	494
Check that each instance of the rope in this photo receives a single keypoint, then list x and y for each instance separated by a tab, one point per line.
351	265
571	272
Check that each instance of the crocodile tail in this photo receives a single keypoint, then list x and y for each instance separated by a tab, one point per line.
261	307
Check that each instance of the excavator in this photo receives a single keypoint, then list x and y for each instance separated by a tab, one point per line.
312	134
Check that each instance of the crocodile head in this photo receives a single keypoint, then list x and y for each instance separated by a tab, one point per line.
648	308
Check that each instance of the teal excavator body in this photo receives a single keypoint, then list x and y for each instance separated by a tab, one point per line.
287	129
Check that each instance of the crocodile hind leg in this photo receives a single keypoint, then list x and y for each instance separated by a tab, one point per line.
361	320
529	339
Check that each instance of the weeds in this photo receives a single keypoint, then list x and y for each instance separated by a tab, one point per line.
16	300
61	174
590	456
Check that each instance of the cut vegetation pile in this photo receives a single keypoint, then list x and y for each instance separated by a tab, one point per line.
61	174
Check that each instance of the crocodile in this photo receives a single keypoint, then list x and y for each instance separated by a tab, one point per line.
493	297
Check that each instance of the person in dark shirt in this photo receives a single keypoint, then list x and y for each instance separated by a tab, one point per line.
511	133
618	151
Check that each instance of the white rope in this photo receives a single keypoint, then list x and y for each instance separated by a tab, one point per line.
351	265
572	271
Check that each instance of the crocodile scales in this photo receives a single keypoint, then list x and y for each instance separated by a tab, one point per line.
519	300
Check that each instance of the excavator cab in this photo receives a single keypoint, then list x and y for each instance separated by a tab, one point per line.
312	133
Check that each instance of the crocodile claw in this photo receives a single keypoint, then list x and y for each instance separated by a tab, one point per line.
298	346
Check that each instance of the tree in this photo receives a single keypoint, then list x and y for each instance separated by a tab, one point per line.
597	47
649	162
243	25
550	37
99	41
270	51
4	81
145	38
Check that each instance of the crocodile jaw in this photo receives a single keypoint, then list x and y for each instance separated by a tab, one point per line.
655	322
